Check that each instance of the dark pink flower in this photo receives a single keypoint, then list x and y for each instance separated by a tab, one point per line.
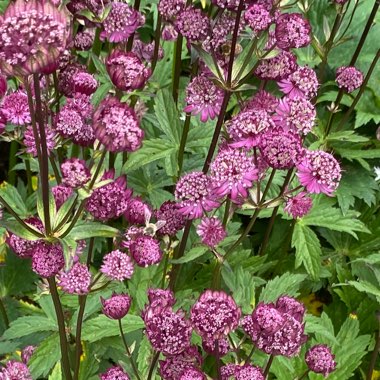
170	9
3	86
15	108
114	373
249	372
319	172
30	142
117	266
169	214
230	4
27	353
136	211
146	251
298	205
193	24
75	172
278	67
61	194
349	78
84	40
160	297
258	17
192	374
117	306
76	280
292	31
211	231
263	101
48	259
66	75
14	370
319	359
84	83
210	347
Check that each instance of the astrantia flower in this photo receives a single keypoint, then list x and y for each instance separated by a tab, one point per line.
27	353
116	126
33	34
319	172
229	370
246	127
170	9
136	211
126	70
173	218
303	82
169	33
3	122
214	315
84	83
263	100
3	86
194	196
121	22
281	149
75	172
117	306
22	247
48	259
193	24
274	331
297	114
117	266
114	373
83	40
291	306
146	251
210	347
61	194
232	173
66	75
76	280
30	142
130	235
230	4
319	359
292	31
192	374
15	371
111	200
211	231
168	332
15	108
145	52
249	372
349	78
160	297
278	67
299	205
204	98
257	17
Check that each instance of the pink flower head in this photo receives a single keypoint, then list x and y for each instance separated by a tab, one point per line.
15	108
298	205
349	78
281	149
319	359
84	83
27	353
211	231
3	86
258	17
278	67
84	40
66	76
193	194
126	70
193	24
117	266
230	4
211	348
168	332
136	211
263	101
172	217
214	315
160	297
169	33
33	34
146	251
30	142
15	371
48	259
75	172
117	306
249	372
114	373
170	9
292	31
297	114
76	280
116	126
291	306
319	172
145	52
246	127
61	194
301	83
192	374
121	22
232	173
203	97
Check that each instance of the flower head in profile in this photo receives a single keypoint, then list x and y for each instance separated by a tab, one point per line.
319	359
298	205
349	78
203	97
33	34
319	172
117	306
170	9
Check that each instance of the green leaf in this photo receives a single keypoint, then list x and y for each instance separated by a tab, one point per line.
308	249
101	327
19	230
350	136
101	93
40	207
56	374
10	194
152	150
288	284
92	229
45	357
366	287
210	63
191	255
27	325
167	116
63	210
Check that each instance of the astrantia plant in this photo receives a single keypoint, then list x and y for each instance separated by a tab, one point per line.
189	192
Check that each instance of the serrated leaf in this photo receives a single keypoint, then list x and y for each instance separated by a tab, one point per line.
308	249
288	283
191	255
19	230
366	287
45	357
101	93
101	327
87	230
152	150
350	136
10	194
27	325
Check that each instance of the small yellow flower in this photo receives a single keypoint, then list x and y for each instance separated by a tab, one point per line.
34	183
353	315
375	375
3	185
312	304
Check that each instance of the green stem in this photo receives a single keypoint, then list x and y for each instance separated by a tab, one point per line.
157	38
61	329
135	370
177	67
96	49
218	364
333	112
226	212
55	169
78	335
181	151
136	7
267	367
153	365
28	176
4	314
12	163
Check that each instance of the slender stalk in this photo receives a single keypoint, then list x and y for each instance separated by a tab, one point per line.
304	375
61	328
375	352
136	7
350	21
157	38
96	49
12	163
226	212
365	32
4	314
218	364
90	250
177	67
267	367
28	176
333	112
135	370
55	169
181	151
153	365
250	354
78	335
44	168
